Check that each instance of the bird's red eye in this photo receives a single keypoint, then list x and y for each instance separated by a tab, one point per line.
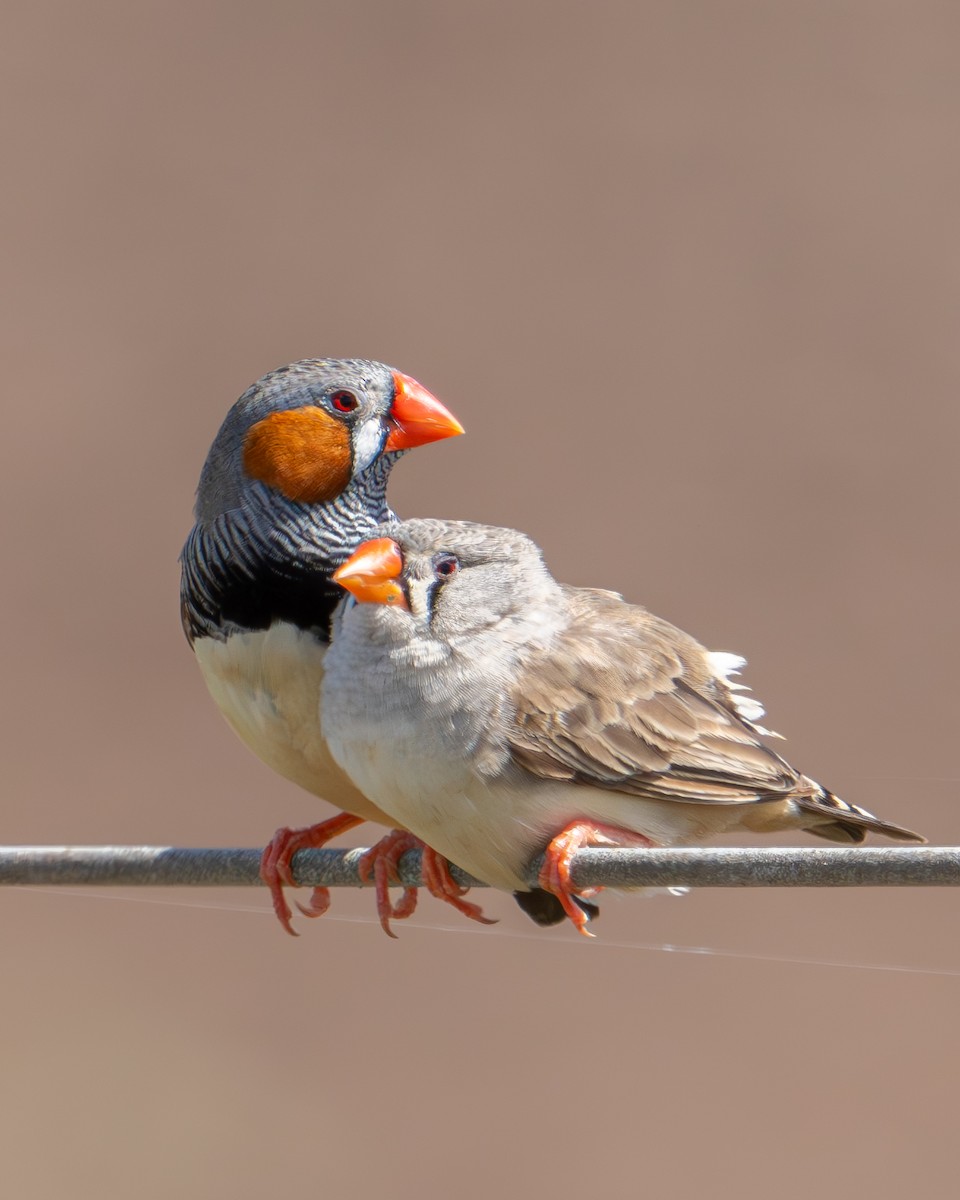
344	401
446	565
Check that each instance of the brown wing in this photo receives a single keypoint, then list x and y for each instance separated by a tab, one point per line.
626	701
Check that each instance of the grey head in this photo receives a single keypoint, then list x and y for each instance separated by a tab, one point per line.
350	402
295	478
482	589
460	578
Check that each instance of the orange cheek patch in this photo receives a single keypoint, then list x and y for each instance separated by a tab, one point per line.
302	453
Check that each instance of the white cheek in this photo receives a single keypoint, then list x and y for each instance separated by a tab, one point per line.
418	590
367	442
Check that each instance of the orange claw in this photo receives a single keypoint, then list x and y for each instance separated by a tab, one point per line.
382	861
440	883
276	871
558	857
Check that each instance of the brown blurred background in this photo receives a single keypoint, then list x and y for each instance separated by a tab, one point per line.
689	275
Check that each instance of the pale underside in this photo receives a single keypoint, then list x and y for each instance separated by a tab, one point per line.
268	686
494	827
432	731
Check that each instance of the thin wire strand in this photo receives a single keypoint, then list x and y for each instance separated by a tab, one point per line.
542	939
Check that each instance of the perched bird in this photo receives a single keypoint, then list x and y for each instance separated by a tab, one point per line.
295	478
498	715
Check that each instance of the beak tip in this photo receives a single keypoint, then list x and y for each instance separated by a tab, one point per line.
371	573
417	416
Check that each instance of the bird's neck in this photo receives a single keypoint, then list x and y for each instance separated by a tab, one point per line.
271	559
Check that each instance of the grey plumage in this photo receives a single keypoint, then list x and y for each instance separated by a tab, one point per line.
501	706
252	550
233	564
297	385
295	478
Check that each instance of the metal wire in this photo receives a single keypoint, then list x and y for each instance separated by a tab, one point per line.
168	866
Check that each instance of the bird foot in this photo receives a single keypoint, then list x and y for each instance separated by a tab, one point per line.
276	870
382	862
558	857
440	883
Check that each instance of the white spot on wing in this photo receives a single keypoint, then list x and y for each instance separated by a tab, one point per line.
724	665
748	707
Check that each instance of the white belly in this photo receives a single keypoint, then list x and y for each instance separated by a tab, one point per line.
495	827
267	684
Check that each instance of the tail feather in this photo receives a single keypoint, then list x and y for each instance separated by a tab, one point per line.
839	821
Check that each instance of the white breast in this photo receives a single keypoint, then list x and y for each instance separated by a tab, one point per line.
494	828
267	684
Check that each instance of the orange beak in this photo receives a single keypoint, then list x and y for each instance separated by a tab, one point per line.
371	573
417	417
